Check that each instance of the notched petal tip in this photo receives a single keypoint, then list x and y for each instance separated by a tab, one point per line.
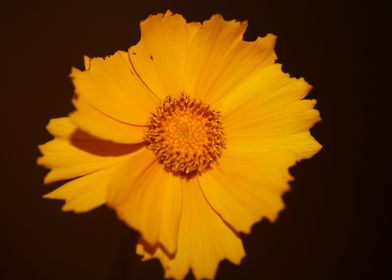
75	72
87	61
67	207
50	176
267	40
91	62
159	16
220	18
317	118
56	195
279	66
169	13
271	36
52	195
41	162
273	217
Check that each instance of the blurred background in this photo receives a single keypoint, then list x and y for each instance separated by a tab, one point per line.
334	225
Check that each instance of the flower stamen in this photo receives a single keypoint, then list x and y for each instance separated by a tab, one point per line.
186	135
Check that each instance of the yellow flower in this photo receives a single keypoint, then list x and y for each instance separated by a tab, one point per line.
188	136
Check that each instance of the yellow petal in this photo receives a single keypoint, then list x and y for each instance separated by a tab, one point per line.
159	58
268	104
219	59
75	153
63	128
267	130
204	239
111	86
148	199
249	181
85	193
102	126
243	189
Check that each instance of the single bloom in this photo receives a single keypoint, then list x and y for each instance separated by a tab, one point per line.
188	135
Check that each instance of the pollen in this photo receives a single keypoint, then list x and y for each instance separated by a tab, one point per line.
186	135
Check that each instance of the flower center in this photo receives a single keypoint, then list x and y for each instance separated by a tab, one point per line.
186	135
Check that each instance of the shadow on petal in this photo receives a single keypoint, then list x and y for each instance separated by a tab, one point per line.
104	148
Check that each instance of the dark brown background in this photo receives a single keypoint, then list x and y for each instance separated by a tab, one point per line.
334	224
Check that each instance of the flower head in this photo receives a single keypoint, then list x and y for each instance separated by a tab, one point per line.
188	136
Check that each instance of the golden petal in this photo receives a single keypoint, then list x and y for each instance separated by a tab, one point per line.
102	126
204	240
219	59
266	125
85	193
268	104
111	86
74	153
160	56
244	189
148	199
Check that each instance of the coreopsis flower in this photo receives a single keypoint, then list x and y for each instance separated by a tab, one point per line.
188	136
